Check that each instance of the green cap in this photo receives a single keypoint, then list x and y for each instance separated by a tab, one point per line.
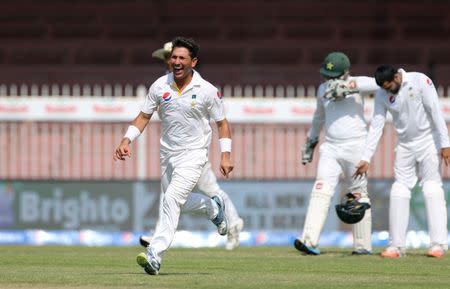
335	64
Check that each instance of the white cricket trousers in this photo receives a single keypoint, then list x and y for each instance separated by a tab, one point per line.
336	159
207	184
341	158
180	173
417	160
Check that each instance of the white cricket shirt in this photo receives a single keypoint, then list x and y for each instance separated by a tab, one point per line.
343	119
415	111
185	115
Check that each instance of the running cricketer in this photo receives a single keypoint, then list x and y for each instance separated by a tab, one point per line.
185	103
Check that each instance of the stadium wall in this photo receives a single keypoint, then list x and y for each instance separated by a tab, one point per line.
98	213
56	170
74	139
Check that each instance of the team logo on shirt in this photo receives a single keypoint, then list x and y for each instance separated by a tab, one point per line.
194	101
391	98
166	96
219	95
429	82
411	92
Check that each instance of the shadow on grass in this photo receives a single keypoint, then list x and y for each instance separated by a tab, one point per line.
337	253
160	274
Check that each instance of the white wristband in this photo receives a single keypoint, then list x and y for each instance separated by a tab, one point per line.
225	144
132	133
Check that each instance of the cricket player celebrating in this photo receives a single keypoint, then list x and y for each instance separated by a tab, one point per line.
185	103
207	183
340	110
412	100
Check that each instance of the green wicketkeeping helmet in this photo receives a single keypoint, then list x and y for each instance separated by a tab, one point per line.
335	64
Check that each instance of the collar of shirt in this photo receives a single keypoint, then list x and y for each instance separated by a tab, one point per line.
195	81
405	78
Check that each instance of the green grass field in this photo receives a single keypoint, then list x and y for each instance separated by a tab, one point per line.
260	267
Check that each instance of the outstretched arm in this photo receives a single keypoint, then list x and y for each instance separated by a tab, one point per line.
134	130
373	136
225	147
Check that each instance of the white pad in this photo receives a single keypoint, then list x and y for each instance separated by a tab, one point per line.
436	209
398	214
319	204
362	231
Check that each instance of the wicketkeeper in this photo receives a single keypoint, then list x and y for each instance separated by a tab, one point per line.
340	111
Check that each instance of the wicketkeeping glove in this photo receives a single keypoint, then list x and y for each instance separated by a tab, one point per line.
337	89
308	150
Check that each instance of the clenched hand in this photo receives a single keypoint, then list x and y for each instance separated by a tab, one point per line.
122	150
225	164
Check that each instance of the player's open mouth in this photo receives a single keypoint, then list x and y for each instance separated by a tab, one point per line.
177	71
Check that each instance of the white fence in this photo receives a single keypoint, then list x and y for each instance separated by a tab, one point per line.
128	90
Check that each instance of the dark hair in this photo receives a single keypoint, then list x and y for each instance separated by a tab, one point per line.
187	43
385	73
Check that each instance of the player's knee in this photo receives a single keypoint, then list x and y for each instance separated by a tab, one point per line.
171	200
208	188
399	190
432	189
321	189
224	195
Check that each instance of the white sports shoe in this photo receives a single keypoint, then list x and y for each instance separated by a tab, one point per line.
233	235
436	251
393	252
149	263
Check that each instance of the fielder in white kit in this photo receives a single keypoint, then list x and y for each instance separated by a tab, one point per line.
207	183
412	100
342	116
185	103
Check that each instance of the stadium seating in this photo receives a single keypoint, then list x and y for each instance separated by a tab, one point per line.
242	42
